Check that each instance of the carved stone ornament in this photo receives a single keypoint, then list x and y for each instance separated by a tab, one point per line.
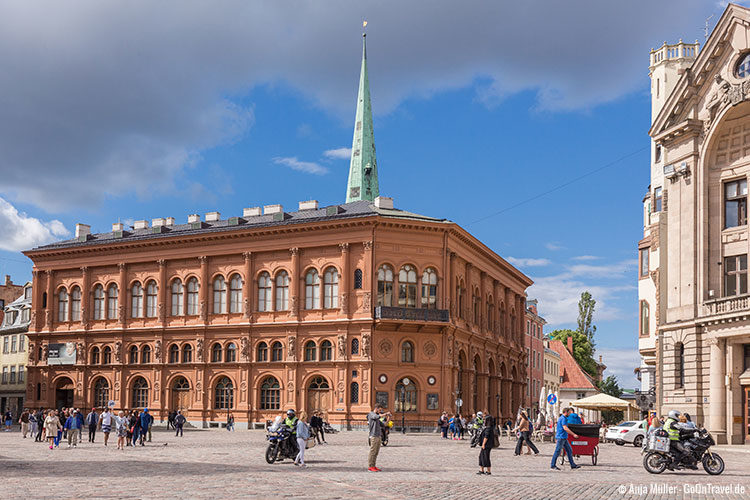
121	313
429	349
246	307
293	304
344	247
118	351
157	350
80	359
292	350
366	345
244	349
386	347
45	352
294	251
48	318
344	302
342	346
340	387
33	318
713	341
726	95
162	312
32	350
204	311
199	349
365	387
366	301
367	245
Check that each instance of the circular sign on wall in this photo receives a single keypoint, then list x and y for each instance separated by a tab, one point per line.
383	379
431	380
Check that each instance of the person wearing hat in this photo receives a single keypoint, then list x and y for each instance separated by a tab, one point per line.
291	420
146	421
92	420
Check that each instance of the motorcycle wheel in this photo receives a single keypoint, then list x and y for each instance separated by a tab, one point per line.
713	464
272	452
655	463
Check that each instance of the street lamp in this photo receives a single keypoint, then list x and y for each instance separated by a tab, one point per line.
404	383
497	407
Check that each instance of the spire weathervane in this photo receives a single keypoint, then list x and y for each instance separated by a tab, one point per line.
363	167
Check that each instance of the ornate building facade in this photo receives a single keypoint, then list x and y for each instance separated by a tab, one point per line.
328	308
694	307
14	324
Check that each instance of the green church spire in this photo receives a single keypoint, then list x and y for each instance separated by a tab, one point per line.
363	169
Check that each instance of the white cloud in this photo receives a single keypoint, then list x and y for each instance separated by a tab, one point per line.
553	246
610	270
621	363
586	257
307	167
19	232
101	91
338	153
528	262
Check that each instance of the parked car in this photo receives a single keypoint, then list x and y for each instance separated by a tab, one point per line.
628	432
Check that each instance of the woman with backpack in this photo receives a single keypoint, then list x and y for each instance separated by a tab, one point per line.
524	430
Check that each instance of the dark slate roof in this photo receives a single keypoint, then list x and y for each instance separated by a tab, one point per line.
345	211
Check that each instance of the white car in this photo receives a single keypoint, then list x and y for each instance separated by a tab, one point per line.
628	432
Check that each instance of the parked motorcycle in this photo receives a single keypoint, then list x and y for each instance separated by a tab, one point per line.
659	457
281	445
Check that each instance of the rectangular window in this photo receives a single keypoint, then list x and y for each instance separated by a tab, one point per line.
645	318
12	374
21	371
735	203
644	262
6	344
21	341
5	375
735	275
657	199
14	343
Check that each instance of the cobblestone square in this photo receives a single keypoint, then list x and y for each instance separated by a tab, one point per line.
219	464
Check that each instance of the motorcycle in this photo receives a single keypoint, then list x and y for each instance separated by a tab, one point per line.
281	444
659	457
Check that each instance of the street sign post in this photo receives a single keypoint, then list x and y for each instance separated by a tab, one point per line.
459	403
552	399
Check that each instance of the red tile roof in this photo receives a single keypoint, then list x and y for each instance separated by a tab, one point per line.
573	376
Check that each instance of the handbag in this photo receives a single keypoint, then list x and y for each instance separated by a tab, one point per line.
310	443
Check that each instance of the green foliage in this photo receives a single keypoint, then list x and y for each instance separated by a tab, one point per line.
610	386
586	315
583	348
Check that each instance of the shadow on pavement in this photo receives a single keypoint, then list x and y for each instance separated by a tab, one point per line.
128	467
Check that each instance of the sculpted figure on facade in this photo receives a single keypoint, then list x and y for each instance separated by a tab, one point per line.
118	351
121	313
80	354
32	349
366	301
204	311
48	319
199	349
366	345
292	341
341	347
246	307
244	349
45	352
157	350
162	312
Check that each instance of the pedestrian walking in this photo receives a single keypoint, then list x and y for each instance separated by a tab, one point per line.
79	417
136	426
52	428
443	424
33	424
561	435
524	435
145	425
487	442
24	421
179	421
170	419
230	422
303	434
41	433
123	424
105	423
72	425
375	427
316	424
92	420
8	420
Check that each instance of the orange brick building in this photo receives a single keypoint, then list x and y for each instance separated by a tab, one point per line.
323	308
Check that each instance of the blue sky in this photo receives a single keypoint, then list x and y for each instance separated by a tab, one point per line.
477	115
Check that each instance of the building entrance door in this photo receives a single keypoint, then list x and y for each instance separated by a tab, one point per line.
64	393
181	395
318	395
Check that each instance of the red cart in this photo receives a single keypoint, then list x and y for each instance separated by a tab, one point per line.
586	444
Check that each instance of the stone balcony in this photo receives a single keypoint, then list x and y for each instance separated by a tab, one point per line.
726	305
412	314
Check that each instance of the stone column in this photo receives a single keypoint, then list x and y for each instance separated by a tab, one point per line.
496	298
452	285
294	284
48	316
370	279
717	392
482	301
469	302
85	296
344	279
161	290
122	296
247	286
203	291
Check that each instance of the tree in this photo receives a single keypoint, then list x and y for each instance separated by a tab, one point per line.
583	349
585	316
610	386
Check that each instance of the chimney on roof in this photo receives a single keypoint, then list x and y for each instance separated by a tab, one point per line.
193	218
170	221
600	359
308	205
570	344
384	202
251	212
8	281
158	222
213	216
272	209
82	230
117	226
140	224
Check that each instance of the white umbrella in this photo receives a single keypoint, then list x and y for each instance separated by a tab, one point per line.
542	399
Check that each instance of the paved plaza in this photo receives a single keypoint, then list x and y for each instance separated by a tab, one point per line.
219	464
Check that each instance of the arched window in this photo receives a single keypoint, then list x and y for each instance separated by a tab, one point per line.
187	353
62	305
101	393
133	355
75	304
385	286
407	352
151	299
311	351
262	354
680	364
331	288
177	297
355	346
407	287
354	393
357	279
235	294
216	353
277	351
318	383
220	295
107	356
174	353
312	290
136	301
264	292
95	356
282	291
192	297
224	394
429	288
406	396
270	394
112	301
231	353
146	354
476	302
140	393
326	350
98	302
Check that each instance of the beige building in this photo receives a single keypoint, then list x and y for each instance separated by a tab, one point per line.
551	369
13	356
694	304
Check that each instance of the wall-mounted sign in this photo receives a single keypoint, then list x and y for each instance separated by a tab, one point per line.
381	398
62	354
432	401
